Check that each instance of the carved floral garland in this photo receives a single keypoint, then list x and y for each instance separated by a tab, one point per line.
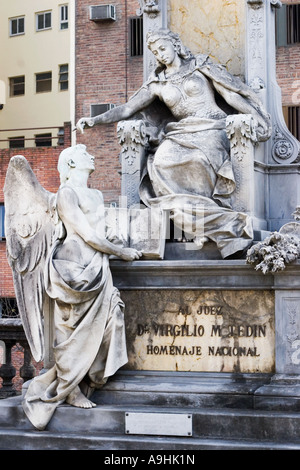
272	254
277	250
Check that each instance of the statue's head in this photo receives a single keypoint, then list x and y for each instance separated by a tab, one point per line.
74	158
168	35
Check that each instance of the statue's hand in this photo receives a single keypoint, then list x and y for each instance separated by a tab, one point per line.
130	254
83	122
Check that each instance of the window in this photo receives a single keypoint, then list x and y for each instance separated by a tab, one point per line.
17	26
97	109
64	17
17	86
288	25
16	142
292	119
43	20
293	23
63	77
136	36
8	308
43	140
43	82
2	227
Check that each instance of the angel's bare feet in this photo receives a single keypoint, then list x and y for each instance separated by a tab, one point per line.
77	398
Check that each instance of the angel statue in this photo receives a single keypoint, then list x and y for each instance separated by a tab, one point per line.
59	254
189	166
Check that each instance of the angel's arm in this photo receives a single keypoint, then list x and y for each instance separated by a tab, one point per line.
75	221
143	98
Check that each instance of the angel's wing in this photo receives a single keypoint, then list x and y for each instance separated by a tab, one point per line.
29	232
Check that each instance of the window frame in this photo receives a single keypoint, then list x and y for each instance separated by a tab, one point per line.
62	81
16	18
12	86
20	139
293	23
288	25
64	17
292	119
43	80
136	27
9	307
43	13
42	140
2	221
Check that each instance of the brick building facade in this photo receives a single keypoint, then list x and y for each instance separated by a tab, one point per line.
43	161
288	62
106	73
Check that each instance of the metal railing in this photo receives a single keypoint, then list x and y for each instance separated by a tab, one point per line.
39	140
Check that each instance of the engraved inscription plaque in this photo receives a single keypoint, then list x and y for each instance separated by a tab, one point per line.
205	331
164	424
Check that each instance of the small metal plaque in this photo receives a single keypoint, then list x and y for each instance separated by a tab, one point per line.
164	424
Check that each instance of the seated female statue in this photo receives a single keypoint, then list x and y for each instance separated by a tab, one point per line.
190	173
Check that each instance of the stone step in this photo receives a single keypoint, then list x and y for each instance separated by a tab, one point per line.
34	440
143	446
103	427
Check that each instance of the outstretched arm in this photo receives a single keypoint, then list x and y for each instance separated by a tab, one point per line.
76	222
138	102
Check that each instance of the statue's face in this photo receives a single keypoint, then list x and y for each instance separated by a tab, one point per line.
164	51
83	160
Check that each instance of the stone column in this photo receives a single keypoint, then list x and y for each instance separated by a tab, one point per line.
8	372
276	181
27	371
261	76
154	17
241	133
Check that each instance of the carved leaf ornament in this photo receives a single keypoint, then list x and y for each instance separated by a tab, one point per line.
277	250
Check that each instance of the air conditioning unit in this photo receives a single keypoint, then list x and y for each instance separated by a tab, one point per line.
102	12
97	109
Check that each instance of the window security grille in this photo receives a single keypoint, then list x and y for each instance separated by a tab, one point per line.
43	140
292	117
16	142
293	23
288	25
136	37
8	308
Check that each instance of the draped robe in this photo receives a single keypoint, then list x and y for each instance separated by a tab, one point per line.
190	173
90	341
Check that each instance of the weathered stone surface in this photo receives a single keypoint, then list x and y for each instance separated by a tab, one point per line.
214	27
59	257
207	331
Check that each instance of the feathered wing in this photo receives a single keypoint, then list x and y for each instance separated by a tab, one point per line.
29	231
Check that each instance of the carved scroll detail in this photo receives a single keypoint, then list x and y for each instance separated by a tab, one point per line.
133	139
149	7
241	131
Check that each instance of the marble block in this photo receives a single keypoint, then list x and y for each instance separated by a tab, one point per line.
204	331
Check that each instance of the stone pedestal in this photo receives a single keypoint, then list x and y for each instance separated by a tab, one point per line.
213	348
204	317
